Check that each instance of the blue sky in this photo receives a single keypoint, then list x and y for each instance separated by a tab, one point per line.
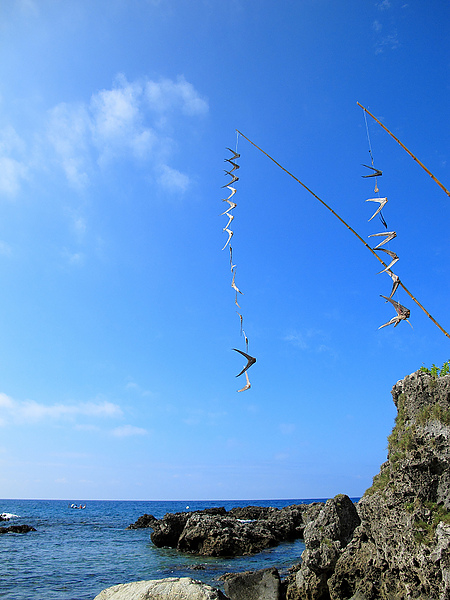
117	317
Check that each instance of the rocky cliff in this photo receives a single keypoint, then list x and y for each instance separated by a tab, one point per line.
395	544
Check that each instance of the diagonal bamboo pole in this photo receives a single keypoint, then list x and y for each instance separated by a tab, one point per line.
408	151
348	227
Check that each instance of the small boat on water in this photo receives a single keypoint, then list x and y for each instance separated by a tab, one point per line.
76	506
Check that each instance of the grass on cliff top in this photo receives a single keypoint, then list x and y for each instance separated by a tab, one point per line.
435	371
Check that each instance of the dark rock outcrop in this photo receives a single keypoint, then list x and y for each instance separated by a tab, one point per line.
241	531
17	529
264	584
401	548
143	522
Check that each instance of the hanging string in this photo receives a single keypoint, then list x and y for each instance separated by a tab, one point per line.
376	190
368	138
232	205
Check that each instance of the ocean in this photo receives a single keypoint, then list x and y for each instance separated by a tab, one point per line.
74	554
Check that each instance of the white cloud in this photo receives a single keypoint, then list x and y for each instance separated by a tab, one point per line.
172	180
135	120
68	133
74	258
165	95
117	121
12	172
377	26
5	249
311	340
383	4
128	430
388	42
135	387
286	428
31	411
297	339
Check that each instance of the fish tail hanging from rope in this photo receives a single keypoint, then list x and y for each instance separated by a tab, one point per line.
232	205
402	312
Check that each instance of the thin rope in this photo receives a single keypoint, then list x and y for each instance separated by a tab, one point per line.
376	191
368	137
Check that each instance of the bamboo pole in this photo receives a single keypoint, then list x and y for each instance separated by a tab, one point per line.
408	151
346	225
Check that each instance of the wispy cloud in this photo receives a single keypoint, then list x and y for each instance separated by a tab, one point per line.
68	131
286	428
387	42
167	95
132	120
386	35
13	169
173	180
377	26
135	387
5	249
311	340
29	411
128	431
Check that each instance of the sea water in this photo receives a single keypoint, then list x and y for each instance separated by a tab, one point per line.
74	554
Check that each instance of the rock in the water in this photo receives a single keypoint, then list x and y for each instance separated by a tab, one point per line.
166	531
143	522
243	531
17	529
253	585
171	588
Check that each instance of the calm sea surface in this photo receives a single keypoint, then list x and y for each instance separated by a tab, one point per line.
74	554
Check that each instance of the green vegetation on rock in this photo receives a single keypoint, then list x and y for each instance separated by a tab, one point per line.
425	528
435	371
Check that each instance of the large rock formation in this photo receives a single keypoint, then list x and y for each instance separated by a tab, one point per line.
239	532
401	549
171	588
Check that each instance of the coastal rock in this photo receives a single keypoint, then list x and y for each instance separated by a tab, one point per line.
219	533
171	588
252	513
401	549
17	529
325	539
209	535
264	584
166	531
143	522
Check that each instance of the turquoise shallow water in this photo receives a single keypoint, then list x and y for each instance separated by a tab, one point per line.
74	554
